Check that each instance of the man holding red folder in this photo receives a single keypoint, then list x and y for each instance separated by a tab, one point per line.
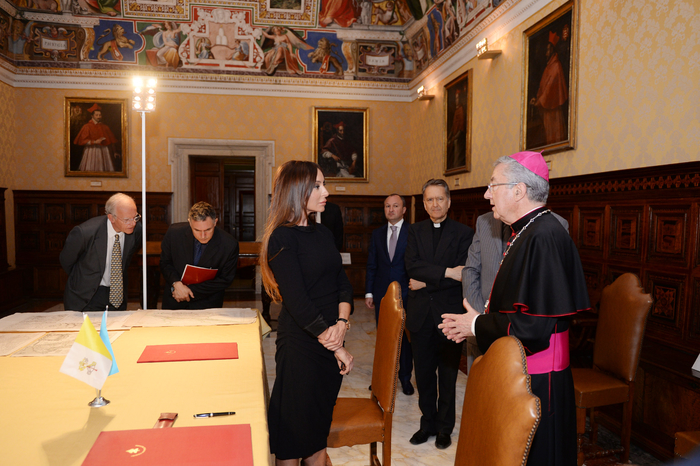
198	243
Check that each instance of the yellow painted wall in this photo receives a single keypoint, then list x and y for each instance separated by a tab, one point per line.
638	100
8	163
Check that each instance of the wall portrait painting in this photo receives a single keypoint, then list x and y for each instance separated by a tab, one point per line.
96	137
549	107
340	143
458	123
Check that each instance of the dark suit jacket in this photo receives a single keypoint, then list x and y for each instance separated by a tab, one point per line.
485	256
332	218
177	250
441	294
380	270
84	256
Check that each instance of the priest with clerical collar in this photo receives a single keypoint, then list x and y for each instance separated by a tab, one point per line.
539	286
436	251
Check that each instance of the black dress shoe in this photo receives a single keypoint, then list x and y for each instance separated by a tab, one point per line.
443	441
407	387
419	437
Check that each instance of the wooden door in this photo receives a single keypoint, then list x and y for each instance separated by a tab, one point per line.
207	182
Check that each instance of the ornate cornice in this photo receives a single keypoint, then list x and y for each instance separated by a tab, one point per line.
84	21
8	7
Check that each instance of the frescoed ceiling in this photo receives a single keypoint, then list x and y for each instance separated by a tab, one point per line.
377	41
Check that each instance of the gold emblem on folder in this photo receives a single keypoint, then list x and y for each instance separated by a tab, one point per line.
137	450
172	351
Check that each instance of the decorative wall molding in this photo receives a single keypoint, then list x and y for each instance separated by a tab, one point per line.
179	151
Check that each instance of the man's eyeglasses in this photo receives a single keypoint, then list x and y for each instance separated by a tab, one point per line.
129	221
494	185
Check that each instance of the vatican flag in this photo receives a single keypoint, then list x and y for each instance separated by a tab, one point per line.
88	359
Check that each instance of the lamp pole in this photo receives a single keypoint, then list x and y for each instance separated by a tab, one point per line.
144	101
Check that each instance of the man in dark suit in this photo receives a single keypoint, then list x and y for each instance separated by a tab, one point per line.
95	280
385	264
197	242
436	250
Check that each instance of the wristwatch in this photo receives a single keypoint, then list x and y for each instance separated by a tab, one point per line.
347	324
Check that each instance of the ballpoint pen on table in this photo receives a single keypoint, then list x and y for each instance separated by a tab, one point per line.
225	413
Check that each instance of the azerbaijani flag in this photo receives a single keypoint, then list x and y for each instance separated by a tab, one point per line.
88	359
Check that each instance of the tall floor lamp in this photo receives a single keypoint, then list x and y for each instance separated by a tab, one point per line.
144	101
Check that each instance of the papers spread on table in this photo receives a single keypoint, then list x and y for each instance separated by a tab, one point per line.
60	321
52	344
11	342
166	318
193	274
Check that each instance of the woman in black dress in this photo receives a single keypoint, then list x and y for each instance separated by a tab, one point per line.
302	268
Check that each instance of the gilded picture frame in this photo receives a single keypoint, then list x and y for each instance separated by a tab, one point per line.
550	64
96	137
341	143
458	124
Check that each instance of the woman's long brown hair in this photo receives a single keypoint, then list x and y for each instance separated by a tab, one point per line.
291	190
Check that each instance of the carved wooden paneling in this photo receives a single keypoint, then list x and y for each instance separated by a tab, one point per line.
594	281
79	213
54	213
694	314
354	216
376	217
27	242
591	224
353	243
26	213
666	318
669	232
54	241
626	229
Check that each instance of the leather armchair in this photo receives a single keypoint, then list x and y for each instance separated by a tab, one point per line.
500	413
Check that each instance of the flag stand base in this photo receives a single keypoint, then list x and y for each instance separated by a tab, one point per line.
98	402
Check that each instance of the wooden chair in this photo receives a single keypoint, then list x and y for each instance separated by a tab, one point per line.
357	421
624	308
500	413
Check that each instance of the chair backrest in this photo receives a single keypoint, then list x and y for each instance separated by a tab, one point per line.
500	413
624	308
388	347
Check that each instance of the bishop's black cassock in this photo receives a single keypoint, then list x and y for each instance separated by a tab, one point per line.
539	285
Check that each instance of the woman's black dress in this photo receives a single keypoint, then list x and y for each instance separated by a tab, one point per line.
312	282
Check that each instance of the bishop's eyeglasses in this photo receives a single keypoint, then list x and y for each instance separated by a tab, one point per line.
494	185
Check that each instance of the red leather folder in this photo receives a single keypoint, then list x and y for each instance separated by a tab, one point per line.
189	352
204	445
193	274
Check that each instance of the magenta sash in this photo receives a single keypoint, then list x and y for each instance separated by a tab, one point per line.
554	358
